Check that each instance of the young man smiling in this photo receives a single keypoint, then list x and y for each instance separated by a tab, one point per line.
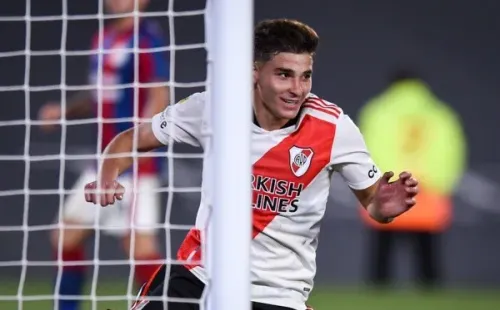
298	141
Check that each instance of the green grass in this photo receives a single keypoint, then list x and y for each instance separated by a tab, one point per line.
322	298
364	299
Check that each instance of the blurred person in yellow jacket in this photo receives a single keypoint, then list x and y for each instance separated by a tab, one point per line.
407	127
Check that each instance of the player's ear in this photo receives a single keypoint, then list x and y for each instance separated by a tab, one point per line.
255	72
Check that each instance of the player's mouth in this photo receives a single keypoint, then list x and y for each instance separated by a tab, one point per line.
292	103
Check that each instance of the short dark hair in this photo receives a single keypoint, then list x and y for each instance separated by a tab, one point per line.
274	36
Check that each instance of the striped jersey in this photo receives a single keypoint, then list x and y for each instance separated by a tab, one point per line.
292	169
113	70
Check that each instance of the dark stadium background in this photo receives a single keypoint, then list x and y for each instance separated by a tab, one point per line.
453	43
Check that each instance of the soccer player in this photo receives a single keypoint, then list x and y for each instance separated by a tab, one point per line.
118	69
298	141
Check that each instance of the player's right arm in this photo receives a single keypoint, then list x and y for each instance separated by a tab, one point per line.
180	123
79	106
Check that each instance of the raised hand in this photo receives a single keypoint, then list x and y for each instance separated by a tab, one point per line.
49	112
107	194
394	198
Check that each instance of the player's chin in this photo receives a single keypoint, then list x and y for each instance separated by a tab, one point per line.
289	114
288	111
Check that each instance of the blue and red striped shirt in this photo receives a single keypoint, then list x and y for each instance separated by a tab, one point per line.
118	98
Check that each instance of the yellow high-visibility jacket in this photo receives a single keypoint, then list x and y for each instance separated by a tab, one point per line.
408	128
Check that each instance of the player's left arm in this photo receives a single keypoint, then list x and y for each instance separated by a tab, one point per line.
382	198
386	200
154	68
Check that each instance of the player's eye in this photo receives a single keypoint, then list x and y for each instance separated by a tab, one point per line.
284	75
307	76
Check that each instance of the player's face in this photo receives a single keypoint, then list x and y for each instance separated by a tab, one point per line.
124	6
283	83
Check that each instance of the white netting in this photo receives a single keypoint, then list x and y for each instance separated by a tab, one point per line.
31	199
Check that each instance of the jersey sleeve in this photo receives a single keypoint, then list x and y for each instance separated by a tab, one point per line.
182	122
350	156
154	65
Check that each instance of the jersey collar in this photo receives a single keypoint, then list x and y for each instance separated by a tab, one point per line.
290	123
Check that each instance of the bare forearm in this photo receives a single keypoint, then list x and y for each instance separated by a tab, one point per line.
118	155
79	106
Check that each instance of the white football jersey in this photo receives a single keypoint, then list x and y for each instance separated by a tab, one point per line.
292	169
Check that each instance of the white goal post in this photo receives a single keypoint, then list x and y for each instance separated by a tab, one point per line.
229	45
230	76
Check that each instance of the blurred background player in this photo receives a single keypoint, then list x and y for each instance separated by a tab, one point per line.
117	68
409	127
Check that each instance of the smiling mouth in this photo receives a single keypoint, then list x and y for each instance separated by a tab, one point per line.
290	101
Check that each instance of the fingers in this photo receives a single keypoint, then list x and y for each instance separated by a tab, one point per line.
108	193
107	196
411	186
410	202
405	175
412	189
89	189
119	191
387	176
411	182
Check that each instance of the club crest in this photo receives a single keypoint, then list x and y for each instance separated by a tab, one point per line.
300	160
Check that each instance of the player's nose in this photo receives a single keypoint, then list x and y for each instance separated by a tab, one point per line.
296	88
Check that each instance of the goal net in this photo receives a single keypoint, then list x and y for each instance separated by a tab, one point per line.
46	59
